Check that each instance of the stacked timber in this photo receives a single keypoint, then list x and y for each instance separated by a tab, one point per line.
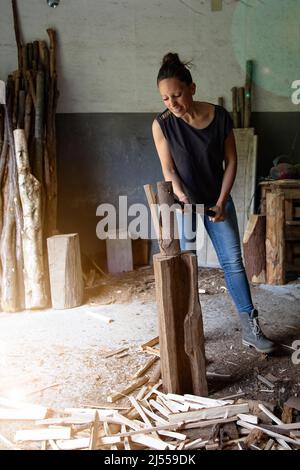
28	181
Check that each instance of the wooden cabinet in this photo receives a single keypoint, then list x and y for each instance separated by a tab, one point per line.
280	202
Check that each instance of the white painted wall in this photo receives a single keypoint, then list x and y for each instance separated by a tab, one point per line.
110	50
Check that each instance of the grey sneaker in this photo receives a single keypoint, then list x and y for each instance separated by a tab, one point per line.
252	334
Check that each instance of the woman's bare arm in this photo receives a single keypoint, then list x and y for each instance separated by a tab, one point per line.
166	160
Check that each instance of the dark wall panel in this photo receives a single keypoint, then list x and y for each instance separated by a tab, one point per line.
102	156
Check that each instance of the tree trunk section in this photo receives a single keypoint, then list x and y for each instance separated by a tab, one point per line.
180	324
66	282
30	195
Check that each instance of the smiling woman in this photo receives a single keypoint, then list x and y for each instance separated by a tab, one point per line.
196	147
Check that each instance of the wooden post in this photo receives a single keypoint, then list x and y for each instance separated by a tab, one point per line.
179	311
254	244
180	324
65	271
275	242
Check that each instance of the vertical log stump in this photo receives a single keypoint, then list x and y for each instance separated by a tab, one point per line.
179	312
180	324
66	282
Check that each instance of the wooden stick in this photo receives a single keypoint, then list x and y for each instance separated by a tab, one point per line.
143	369
151	342
138	383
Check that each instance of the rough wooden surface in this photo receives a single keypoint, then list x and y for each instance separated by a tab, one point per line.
65	271
30	195
254	244
275	242
177	299
169	244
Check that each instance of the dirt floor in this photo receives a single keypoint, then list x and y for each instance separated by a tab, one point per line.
57	358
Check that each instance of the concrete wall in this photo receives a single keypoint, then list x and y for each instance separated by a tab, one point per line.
110	50
108	57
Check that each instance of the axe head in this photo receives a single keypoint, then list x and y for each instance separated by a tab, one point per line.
2	92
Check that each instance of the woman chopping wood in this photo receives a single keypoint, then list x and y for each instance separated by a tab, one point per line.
195	143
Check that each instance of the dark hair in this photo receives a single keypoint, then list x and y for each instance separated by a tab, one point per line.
172	67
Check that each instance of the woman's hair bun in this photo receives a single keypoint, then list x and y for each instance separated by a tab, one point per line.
171	59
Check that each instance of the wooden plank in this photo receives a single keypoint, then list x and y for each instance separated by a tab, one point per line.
275	242
209	413
43	434
73	444
95	432
295	442
30	413
152	342
152	442
66	281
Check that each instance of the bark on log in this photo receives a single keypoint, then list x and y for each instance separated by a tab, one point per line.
17	32
254	244
65	270
27	120
9	280
179	312
169	244
30	194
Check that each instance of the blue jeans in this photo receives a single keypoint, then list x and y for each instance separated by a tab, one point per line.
226	241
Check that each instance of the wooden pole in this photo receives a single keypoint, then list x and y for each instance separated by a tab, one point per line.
248	93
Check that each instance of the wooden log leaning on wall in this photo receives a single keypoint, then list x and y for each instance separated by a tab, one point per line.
254	244
32	239
179	312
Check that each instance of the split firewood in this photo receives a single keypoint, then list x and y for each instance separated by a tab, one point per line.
147	366
138	383
150	343
113	353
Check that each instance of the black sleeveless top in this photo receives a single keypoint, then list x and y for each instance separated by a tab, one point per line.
198	154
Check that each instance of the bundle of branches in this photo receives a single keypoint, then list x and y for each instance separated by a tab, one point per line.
28	198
